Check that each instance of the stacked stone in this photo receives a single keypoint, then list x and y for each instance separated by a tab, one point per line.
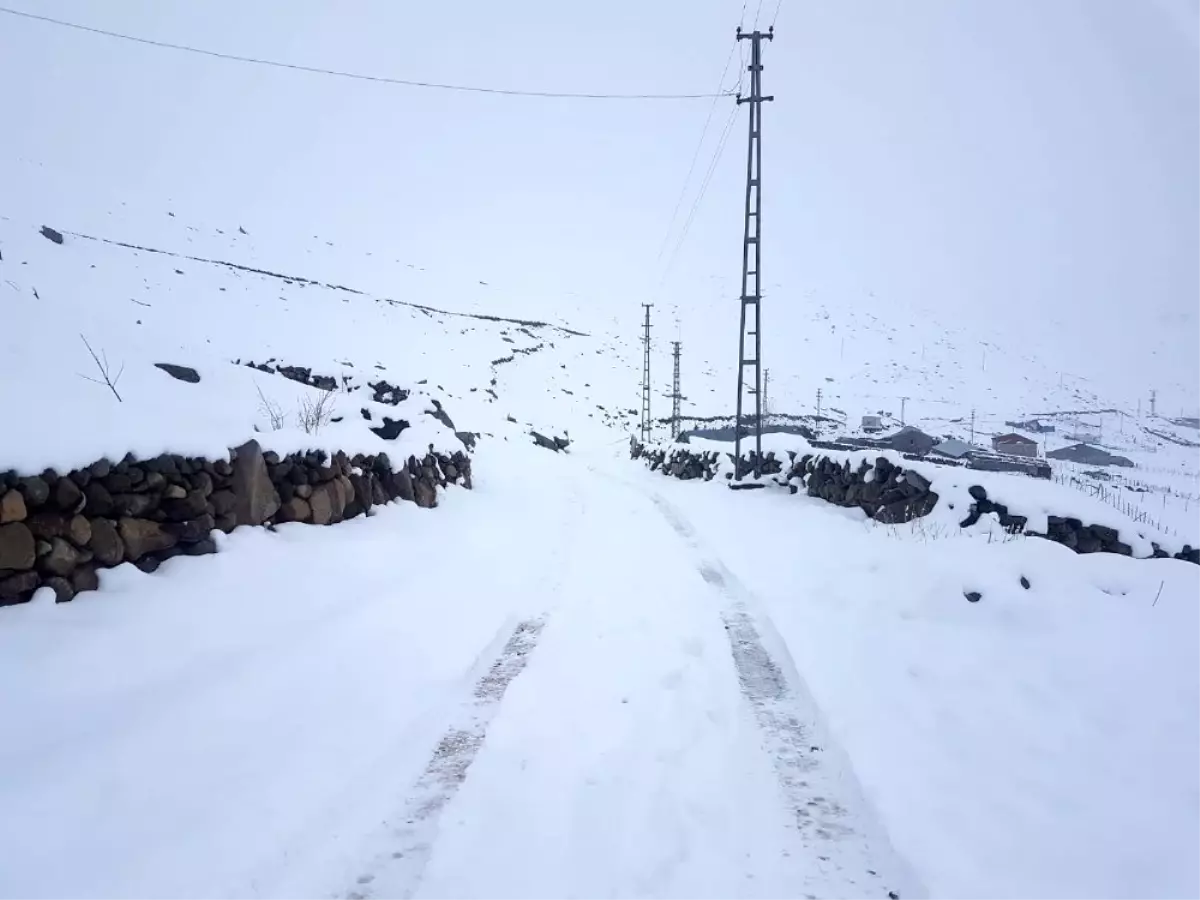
57	529
891	494
886	492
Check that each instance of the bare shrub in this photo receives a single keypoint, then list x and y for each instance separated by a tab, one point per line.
315	413
271	411
102	365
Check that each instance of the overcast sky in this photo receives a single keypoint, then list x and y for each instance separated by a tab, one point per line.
1026	164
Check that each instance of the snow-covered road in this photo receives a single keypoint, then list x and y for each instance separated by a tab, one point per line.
427	704
637	755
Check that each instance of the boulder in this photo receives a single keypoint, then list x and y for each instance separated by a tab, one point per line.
106	543
48	525
19	587
99	501
223	502
192	505
67	495
17	546
425	494
152	481
202	547
294	510
362	491
12	507
141	537
84	578
257	499
916	481
440	414
321	504
182	373
35	490
64	591
403	483
1088	542
977	492
133	505
62	558
119	482
391	428
192	530
201	481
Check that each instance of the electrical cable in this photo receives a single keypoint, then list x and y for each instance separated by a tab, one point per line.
359	76
687	225
687	180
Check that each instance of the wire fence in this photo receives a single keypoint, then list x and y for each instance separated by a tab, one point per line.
1143	502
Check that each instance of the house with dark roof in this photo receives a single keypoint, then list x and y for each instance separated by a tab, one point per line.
1014	444
954	449
910	440
1089	455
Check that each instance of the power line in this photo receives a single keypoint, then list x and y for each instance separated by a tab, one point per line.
687	180
779	5
358	76
687	225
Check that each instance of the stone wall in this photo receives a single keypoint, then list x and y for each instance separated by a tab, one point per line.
56	529
886	492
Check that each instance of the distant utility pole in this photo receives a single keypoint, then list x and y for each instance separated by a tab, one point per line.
646	377
1153	403
972	427
903	403
818	403
752	264
675	397
766	403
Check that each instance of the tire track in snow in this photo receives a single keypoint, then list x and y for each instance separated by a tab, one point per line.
399	873
832	834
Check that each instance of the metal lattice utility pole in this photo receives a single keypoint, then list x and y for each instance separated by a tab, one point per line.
646	377
752	261
903	404
675	395
818	403
766	400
